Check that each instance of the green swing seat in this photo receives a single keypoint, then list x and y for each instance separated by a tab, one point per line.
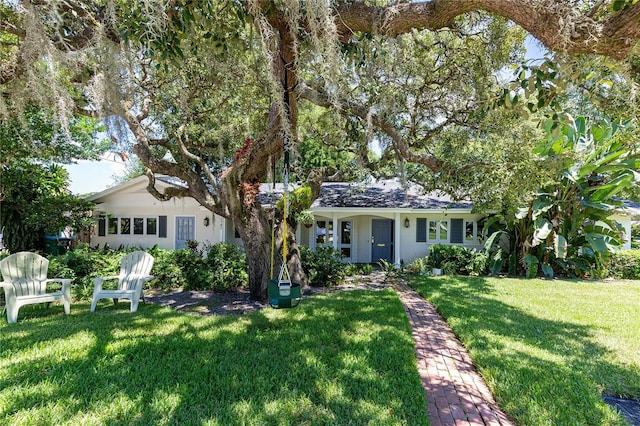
284	295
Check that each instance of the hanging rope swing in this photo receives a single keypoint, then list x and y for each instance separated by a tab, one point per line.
282	292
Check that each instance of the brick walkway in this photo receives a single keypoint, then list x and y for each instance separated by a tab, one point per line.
456	394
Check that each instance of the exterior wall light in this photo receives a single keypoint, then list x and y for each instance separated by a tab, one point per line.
206	221
407	222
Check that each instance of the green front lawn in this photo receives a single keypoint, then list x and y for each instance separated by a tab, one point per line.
548	349
337	359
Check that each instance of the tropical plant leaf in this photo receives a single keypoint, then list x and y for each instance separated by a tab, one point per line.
522	212
560	247
547	270
543	229
541	205
532	265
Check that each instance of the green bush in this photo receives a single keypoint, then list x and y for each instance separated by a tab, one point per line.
351	269
216	267
229	263
196	272
625	264
419	266
324	267
457	260
635	236
168	274
84	264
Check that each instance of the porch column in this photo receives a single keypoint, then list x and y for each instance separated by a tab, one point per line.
223	229
335	231
396	238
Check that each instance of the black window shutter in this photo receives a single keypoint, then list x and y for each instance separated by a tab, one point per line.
421	230
162	226
102	226
456	230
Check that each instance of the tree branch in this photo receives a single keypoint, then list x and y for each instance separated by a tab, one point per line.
553	23
400	144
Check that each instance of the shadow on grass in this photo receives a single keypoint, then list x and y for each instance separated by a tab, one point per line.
343	358
542	371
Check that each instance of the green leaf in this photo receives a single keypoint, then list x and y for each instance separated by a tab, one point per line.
522	212
560	247
540	206
547	270
543	229
532	265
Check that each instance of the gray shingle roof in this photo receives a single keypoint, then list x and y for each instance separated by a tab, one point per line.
386	194
632	208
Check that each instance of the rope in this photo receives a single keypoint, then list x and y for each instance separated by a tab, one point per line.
284	279
273	246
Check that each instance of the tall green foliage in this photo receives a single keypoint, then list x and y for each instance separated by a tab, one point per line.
568	223
36	203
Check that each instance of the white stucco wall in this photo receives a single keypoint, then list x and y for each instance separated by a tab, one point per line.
409	248
136	202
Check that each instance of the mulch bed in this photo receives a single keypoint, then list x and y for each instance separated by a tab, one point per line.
238	301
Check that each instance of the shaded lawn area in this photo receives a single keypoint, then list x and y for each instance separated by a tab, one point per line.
548	349
337	359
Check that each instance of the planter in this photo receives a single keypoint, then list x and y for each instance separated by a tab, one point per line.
437	272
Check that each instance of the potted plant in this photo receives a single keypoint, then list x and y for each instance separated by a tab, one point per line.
305	217
436	259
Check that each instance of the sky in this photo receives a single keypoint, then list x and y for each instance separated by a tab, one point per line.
96	176
93	176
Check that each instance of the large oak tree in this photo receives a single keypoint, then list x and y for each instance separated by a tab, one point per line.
218	84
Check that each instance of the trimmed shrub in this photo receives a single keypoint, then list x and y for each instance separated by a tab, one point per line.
229	263
216	267
168	274
324	267
625	264
84	264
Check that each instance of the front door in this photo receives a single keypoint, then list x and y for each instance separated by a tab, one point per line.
185	230
381	240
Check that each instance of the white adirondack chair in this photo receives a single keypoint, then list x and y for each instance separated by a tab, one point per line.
134	272
25	282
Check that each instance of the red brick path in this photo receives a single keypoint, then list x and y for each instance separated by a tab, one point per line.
456	394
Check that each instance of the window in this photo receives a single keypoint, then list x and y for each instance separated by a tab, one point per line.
113	225
324	232
345	232
469	233
152	226
138	226
444	230
433	230
125	225
345	238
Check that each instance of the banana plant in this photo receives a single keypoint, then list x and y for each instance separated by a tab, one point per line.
572	226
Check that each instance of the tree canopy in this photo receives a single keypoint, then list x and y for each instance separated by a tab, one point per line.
209	89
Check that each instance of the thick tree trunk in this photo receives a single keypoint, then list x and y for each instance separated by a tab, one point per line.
255	232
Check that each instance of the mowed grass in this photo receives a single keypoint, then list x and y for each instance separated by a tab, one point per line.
337	359
548	349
